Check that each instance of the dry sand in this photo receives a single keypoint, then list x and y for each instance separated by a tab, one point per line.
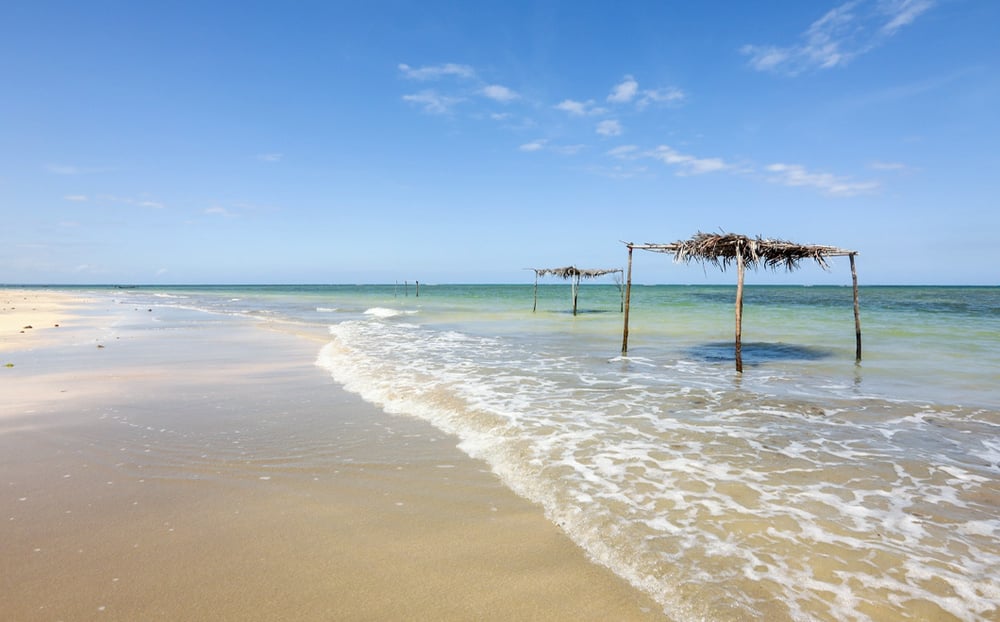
152	467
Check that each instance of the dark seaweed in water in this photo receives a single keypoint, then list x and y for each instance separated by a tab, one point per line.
757	352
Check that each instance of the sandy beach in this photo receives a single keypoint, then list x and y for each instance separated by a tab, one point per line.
156	466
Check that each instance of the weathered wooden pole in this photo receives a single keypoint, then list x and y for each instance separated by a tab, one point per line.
857	311
418	289
740	270
621	296
628	297
534	307
575	279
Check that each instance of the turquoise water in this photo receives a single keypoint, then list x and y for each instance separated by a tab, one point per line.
809	487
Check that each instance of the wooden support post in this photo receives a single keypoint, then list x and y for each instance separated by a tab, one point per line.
418	289
534	306
628	297
740	270
857	312
575	279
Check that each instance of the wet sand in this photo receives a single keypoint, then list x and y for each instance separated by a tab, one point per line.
157	465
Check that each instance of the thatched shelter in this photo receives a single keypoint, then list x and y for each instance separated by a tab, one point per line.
572	274
725	249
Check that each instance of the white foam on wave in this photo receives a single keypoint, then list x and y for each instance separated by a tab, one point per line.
383	312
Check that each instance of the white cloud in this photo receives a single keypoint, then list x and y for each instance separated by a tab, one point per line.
218	210
797	176
670	95
543	144
270	157
69	169
685	163
902	13
568	149
579	109
76	197
839	36
624	152
888	166
499	93
625	91
628	90
436	72
432	102
609	127
162	271
134	202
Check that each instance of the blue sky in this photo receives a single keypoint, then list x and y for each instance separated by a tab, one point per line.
344	142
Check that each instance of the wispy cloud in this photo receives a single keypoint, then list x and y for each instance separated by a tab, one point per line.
669	95
433	102
839	36
887	166
628	91
902	13
792	175
79	198
580	109
436	72
687	164
270	157
133	201
796	175
543	144
72	169
610	127
624	152
625	91
218	210
498	93
684	164
568	149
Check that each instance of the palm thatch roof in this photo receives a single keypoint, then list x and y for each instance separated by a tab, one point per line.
569	272
573	275
723	249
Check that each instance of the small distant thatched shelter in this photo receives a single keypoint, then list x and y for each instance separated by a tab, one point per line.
725	249
574	275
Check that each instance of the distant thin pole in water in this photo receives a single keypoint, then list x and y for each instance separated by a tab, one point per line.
628	299
418	289
857	310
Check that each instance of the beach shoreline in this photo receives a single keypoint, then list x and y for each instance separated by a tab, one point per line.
160	467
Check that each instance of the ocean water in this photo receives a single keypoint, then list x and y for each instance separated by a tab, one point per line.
809	487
